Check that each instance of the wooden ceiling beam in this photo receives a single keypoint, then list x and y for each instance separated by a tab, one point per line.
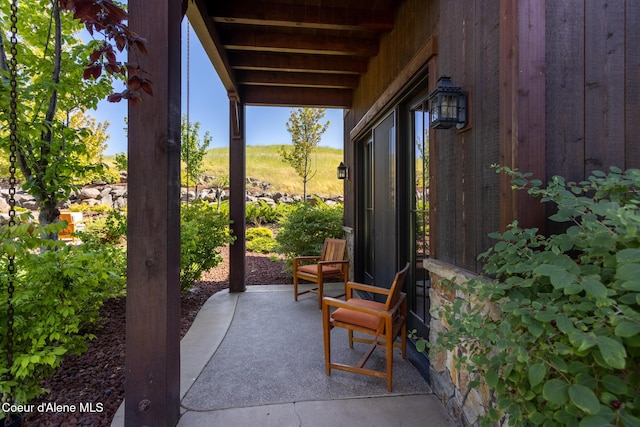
273	78
257	40
297	97
298	63
302	16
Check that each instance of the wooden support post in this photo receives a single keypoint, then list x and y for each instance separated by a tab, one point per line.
237	196
152	378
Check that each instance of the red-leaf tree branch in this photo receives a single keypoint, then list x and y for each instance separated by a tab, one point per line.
107	18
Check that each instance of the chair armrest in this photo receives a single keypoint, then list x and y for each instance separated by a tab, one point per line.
334	302
366	288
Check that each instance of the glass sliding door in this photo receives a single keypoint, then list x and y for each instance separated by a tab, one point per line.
419	292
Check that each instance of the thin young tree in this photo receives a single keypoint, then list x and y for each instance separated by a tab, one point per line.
306	133
193	150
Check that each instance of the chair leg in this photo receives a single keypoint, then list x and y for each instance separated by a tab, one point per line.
389	346
403	340
295	286
350	338
326	326
320	290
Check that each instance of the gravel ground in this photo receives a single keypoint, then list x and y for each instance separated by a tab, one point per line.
97	376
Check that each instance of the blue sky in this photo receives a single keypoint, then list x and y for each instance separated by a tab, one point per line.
209	105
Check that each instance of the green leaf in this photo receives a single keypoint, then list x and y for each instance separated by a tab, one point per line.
612	352
629	420
594	421
559	276
537	372
492	378
628	272
614	384
584	398
556	391
632	285
594	287
627	328
628	255
582	341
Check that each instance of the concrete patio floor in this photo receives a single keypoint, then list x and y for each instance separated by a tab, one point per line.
256	359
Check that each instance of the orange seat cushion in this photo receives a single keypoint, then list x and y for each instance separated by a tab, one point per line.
366	320
327	270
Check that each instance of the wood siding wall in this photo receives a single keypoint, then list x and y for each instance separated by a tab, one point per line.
593	86
468	197
591	78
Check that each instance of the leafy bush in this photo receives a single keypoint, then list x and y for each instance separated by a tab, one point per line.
307	226
259	213
260	239
256	232
558	338
111	229
202	230
56	298
83	207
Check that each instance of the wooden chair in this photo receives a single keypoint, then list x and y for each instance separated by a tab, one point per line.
66	233
330	263
385	321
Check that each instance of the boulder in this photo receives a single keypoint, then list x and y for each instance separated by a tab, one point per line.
89	193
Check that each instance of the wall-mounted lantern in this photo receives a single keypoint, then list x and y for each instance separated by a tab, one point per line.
448	106
343	171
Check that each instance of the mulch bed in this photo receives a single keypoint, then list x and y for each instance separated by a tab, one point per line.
97	376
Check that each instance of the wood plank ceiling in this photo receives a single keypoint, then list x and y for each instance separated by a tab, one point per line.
291	52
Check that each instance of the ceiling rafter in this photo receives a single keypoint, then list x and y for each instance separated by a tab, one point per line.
302	16
294	52
297	63
271	41
271	78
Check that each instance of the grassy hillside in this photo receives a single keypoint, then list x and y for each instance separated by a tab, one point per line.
265	164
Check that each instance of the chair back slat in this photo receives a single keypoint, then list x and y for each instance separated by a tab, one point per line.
333	249
396	288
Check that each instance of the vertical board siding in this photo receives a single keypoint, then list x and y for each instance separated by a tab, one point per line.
484	99
465	141
593	86
565	90
604	84
448	156
467	197
632	85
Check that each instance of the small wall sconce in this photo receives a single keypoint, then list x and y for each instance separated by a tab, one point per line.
448	106
343	171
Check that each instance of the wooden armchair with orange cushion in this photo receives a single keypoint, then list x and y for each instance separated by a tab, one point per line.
385	321
317	269
67	232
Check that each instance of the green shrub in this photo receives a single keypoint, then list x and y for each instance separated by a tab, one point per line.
263	245
83	207
307	226
111	229
58	290
203	229
260	239
255	232
561	345
260	212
